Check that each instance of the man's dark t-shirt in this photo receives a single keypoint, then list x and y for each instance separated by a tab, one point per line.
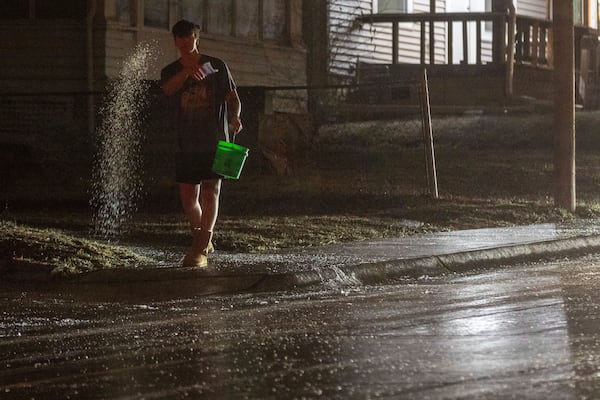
200	106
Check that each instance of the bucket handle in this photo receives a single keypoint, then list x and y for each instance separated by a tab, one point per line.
226	125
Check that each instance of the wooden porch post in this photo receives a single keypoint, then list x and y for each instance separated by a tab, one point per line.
395	43
564	105
431	34
510	50
498	33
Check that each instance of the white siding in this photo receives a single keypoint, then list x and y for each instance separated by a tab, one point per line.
347	41
350	43
532	8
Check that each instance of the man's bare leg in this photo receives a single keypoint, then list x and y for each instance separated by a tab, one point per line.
201	207
209	200
189	195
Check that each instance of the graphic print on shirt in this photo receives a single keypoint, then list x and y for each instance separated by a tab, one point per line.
195	101
197	117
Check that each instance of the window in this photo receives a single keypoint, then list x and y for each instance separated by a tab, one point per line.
191	10
124	11
488	25
219	16
251	19
273	19
247	20
581	12
156	13
392	6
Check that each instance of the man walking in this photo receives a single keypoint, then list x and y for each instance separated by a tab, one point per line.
206	101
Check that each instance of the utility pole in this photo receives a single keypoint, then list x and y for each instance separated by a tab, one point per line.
564	104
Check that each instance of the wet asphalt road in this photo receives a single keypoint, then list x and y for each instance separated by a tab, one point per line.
519	332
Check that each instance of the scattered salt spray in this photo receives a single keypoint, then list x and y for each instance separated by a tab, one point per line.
117	183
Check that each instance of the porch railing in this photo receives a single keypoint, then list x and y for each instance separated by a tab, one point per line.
427	42
533	36
533	41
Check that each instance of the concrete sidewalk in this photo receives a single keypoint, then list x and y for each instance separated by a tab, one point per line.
360	263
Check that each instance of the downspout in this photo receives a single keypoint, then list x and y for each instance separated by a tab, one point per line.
510	50
90	66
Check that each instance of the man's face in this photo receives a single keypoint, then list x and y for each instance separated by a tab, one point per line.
186	44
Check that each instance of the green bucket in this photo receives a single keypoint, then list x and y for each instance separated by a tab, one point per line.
229	159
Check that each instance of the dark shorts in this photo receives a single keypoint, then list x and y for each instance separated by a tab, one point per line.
195	167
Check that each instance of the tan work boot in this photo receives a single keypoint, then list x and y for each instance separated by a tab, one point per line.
189	254
210	248
197	255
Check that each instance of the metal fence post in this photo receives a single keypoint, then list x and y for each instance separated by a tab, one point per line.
428	136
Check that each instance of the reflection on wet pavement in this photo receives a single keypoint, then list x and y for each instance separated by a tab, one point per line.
526	332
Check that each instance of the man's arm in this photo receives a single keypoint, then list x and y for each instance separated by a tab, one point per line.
234	108
172	84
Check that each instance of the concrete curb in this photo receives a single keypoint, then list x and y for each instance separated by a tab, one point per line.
189	280
475	260
437	265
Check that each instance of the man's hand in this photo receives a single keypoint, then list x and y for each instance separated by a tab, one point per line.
195	72
235	124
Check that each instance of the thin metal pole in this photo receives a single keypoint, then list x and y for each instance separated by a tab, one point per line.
428	137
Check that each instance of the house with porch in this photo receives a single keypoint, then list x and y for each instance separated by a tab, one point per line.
501	50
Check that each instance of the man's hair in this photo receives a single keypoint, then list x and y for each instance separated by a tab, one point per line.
185	28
